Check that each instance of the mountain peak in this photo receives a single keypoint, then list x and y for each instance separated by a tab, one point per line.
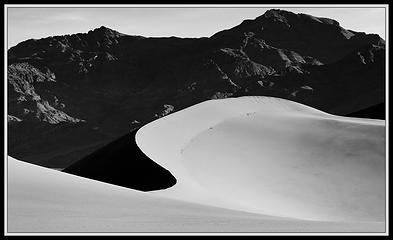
276	12
103	28
275	15
287	16
105	31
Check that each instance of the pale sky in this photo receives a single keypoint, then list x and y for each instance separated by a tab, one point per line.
27	23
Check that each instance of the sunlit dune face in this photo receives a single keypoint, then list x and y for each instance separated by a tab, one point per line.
274	157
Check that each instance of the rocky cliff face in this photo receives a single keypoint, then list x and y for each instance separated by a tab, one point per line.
69	95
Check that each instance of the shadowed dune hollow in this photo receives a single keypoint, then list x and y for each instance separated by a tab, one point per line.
122	163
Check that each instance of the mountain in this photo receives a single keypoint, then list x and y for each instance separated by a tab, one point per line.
71	95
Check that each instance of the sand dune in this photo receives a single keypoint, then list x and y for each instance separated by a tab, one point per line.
272	156
47	201
250	164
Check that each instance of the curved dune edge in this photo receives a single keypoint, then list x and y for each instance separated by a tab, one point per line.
46	201
122	163
319	166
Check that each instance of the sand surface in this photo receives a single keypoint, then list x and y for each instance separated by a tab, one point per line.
250	164
272	156
42	200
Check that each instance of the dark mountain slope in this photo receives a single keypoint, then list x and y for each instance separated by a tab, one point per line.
321	38
69	95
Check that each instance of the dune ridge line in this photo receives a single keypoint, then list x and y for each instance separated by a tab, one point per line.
272	156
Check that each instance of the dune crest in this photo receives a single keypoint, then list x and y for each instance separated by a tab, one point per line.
272	156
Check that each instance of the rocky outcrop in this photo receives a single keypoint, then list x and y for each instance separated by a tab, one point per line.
29	94
12	119
167	109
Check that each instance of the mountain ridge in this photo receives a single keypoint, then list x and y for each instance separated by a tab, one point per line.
103	82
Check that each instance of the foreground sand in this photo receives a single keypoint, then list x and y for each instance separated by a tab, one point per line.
252	164
43	200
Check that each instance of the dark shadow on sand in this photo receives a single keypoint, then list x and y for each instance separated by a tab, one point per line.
122	163
374	112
